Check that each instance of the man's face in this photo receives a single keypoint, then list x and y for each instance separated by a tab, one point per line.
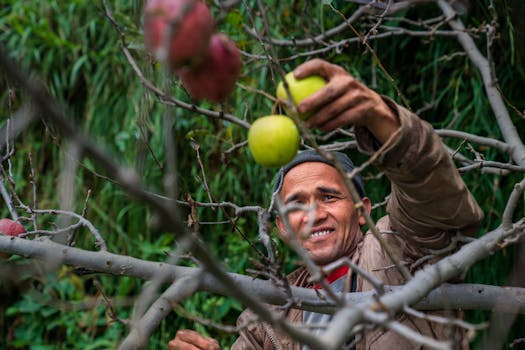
330	229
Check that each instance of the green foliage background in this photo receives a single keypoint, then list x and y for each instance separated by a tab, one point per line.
73	47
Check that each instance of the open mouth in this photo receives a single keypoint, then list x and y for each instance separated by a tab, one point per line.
321	233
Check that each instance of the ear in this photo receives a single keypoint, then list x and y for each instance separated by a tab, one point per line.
368	207
280	226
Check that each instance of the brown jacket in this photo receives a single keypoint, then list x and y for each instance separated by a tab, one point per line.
429	202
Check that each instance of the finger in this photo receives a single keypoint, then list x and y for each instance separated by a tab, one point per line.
339	113
350	116
327	95
341	121
332	97
197	339
177	344
212	345
317	67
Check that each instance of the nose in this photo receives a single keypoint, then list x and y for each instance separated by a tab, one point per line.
315	215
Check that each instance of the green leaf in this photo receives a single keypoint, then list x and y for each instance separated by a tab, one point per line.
235	19
76	67
42	347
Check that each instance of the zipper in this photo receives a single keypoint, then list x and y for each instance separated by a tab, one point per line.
271	335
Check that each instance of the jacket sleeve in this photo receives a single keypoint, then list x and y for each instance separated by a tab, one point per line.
252	333
429	199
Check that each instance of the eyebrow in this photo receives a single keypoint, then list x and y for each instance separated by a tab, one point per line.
324	189
320	189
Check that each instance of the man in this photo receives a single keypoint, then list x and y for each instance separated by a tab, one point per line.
429	203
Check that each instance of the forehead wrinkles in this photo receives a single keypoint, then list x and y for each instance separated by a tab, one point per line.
308	177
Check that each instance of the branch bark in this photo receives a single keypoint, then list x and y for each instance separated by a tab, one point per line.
423	282
143	329
508	130
454	296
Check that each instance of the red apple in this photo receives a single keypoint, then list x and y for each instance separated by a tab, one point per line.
11	228
214	79
189	25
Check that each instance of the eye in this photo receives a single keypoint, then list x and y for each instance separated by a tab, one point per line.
295	200
329	197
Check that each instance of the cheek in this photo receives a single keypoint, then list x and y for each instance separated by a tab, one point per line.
350	221
295	220
293	224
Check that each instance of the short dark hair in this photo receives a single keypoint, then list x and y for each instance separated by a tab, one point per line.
313	156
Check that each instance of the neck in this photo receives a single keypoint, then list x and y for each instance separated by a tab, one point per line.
334	276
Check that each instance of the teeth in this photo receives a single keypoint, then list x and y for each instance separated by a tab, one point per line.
320	233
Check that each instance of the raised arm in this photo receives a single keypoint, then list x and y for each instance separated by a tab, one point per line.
429	199
345	101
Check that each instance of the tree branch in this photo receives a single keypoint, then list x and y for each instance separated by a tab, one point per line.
454	296
142	330
501	113
421	284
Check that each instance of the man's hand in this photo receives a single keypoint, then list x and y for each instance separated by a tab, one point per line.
345	101
186	339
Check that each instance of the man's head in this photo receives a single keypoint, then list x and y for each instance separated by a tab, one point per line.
331	227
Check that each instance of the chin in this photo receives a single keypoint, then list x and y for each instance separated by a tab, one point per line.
322	260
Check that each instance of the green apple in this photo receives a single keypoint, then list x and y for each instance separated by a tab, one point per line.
300	89
273	140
